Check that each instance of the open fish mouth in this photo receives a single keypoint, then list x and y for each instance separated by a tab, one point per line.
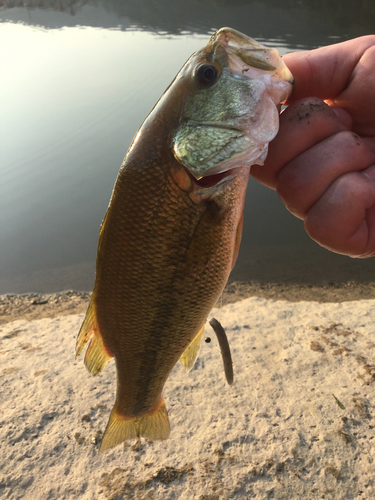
231	118
213	180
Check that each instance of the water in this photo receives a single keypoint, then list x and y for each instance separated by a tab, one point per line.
77	80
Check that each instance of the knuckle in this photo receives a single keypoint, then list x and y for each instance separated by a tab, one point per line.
309	110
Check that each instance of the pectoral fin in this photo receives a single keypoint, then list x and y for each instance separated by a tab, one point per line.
190	355
97	355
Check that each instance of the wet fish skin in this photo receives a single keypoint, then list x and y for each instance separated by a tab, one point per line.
166	247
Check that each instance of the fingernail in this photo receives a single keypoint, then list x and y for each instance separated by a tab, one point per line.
369	173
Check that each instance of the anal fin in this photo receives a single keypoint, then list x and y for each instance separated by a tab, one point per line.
97	355
190	354
152	425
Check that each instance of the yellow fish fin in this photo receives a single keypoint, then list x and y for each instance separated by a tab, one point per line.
237	242
190	354
96	355
152	425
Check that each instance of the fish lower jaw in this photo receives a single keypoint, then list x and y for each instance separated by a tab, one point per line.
241	152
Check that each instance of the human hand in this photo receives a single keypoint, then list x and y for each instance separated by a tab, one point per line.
322	162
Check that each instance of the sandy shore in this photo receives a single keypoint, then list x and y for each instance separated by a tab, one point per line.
298	421
35	306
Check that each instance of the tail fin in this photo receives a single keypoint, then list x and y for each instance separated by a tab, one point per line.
96	355
152	425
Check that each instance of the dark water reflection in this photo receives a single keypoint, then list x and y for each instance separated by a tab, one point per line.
306	22
79	78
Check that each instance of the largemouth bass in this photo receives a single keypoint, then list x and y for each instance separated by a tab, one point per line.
172	230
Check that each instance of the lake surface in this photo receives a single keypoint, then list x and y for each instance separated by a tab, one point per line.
78	79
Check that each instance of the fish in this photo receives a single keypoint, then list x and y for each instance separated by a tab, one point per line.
172	230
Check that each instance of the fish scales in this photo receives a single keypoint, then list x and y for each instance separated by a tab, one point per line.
174	275
173	227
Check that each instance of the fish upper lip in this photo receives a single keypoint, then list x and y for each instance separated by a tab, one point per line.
252	54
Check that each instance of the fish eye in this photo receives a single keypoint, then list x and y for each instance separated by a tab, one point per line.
206	73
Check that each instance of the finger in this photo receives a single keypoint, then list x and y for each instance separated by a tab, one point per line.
325	72
343	220
305	179
302	125
358	96
343	116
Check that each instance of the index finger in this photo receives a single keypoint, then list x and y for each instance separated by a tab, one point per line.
302	125
325	72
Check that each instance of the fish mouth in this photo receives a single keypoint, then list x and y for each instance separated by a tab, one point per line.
214	179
